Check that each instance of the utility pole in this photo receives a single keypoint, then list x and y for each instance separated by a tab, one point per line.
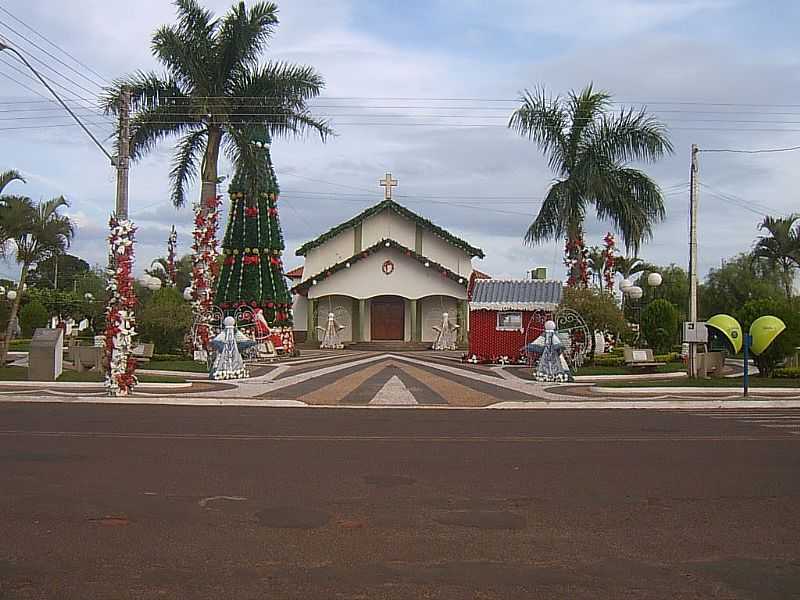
123	160
693	201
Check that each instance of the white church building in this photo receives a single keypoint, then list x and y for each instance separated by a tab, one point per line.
387	274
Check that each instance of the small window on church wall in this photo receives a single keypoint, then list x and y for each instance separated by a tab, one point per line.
509	321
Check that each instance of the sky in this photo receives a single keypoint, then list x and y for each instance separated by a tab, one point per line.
424	89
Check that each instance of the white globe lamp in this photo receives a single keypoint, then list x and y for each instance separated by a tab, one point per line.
11	295
654	279
187	293
625	284
635	292
550	326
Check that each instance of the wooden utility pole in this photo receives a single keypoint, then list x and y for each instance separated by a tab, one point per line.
123	159
693	201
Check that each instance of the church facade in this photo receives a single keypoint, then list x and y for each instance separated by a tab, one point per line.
386	275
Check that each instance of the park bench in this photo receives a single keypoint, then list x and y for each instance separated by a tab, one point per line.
143	352
640	359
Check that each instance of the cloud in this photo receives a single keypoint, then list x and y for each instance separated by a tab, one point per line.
483	184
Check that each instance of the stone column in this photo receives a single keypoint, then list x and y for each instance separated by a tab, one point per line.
356	325
312	321
412	309
462	312
364	316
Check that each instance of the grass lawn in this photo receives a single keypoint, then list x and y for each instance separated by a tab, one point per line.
190	366
607	370
755	382
21	374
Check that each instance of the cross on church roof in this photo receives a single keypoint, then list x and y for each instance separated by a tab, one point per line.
388	183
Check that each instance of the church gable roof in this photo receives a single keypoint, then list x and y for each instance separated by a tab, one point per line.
403	212
302	288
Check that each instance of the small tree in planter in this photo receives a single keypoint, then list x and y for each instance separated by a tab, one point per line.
165	319
660	325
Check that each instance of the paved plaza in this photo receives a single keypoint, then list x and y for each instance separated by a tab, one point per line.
395	379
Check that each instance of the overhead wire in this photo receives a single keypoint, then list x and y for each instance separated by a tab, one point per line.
54	45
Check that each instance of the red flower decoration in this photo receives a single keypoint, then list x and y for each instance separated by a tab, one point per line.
251	211
251	259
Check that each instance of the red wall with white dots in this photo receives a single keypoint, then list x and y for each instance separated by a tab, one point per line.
487	343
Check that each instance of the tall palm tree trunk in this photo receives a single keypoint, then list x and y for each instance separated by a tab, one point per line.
14	310
208	190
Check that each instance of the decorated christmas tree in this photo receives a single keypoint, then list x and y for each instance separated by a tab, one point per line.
252	268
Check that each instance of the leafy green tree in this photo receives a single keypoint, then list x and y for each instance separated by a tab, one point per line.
780	248
589	149
70	269
738	281
786	343
32	316
674	287
213	86
165	320
599	309
36	232
660	325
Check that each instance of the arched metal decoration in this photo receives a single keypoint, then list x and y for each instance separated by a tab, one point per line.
571	329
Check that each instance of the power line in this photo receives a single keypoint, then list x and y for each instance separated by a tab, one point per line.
49	79
57	72
54	45
762	151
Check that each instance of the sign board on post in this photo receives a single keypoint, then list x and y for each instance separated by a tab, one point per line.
695	333
46	356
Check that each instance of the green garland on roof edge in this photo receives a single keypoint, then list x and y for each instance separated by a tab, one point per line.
323	275
399	209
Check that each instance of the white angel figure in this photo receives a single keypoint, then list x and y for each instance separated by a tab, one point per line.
228	344
446	334
330	334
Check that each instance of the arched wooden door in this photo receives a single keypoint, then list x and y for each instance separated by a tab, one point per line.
388	318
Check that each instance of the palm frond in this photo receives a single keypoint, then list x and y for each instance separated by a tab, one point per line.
583	110
628	136
8	176
280	91
243	35
633	203
149	127
554	217
541	118
185	165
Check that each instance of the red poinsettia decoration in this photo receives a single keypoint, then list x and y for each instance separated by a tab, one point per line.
251	212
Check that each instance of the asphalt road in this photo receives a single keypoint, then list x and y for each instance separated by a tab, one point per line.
188	502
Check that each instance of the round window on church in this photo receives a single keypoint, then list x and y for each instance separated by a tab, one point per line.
387	267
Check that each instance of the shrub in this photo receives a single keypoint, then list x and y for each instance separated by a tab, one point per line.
164	320
32	316
669	357
786	343
787	373
608	361
660	325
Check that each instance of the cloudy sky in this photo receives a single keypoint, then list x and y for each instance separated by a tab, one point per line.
424	91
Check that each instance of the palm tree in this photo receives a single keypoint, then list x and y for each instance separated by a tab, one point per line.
212	88
37	233
9	176
628	266
781	247
589	148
